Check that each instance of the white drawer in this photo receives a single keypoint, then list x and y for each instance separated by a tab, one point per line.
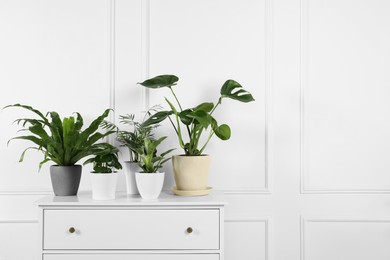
131	229
132	257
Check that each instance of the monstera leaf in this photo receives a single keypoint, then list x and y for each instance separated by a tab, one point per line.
160	81
222	131
232	89
196	120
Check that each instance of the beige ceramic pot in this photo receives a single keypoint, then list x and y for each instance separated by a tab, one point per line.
191	172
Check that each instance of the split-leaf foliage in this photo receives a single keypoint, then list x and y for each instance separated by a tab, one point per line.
195	120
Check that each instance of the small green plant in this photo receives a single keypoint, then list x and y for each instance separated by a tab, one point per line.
150	161
134	140
61	141
197	119
105	160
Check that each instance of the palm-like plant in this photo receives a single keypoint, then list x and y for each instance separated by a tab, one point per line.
134	140
62	141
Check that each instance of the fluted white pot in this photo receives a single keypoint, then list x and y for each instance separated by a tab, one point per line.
150	184
131	169
103	185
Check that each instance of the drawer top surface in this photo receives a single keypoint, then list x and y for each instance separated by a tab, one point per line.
84	198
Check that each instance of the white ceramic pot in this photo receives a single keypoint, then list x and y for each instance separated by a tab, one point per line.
131	169
103	185
149	184
191	172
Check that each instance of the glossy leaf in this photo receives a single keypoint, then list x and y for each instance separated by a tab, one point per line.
202	117
222	132
160	81
184	116
156	118
207	107
61	141
232	89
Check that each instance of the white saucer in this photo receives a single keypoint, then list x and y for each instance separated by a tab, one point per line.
191	192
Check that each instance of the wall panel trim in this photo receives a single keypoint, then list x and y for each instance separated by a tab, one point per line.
267	223
42	192
304	85
19	221
305	220
111	62
145	49
268	82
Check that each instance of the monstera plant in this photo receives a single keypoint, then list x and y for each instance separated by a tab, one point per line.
63	142
191	169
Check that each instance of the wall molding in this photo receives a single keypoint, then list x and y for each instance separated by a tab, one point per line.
145	50
305	220
240	191
111	61
19	221
304	84
268	124
145	65
267	224
268	93
16	193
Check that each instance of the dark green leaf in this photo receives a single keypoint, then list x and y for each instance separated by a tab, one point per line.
31	109
167	152
232	89
160	81
223	131
207	107
184	118
202	117
156	118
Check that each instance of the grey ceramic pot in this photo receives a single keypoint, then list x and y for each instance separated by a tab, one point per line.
65	179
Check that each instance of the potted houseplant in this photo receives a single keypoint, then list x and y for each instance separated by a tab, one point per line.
133	140
104	176
150	180
191	169
63	142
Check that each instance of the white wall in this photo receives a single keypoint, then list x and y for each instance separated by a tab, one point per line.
306	169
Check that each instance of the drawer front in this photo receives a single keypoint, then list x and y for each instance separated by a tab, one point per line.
131	229
132	257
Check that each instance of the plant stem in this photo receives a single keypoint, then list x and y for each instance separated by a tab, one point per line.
173	125
181	109
208	139
178	131
218	103
198	137
176	98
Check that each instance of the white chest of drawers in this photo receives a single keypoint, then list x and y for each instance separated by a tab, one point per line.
129	228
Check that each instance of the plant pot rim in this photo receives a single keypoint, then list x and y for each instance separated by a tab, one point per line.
150	172
103	173
56	165
184	155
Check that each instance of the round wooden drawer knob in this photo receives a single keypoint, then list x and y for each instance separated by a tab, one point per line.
189	230
72	230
